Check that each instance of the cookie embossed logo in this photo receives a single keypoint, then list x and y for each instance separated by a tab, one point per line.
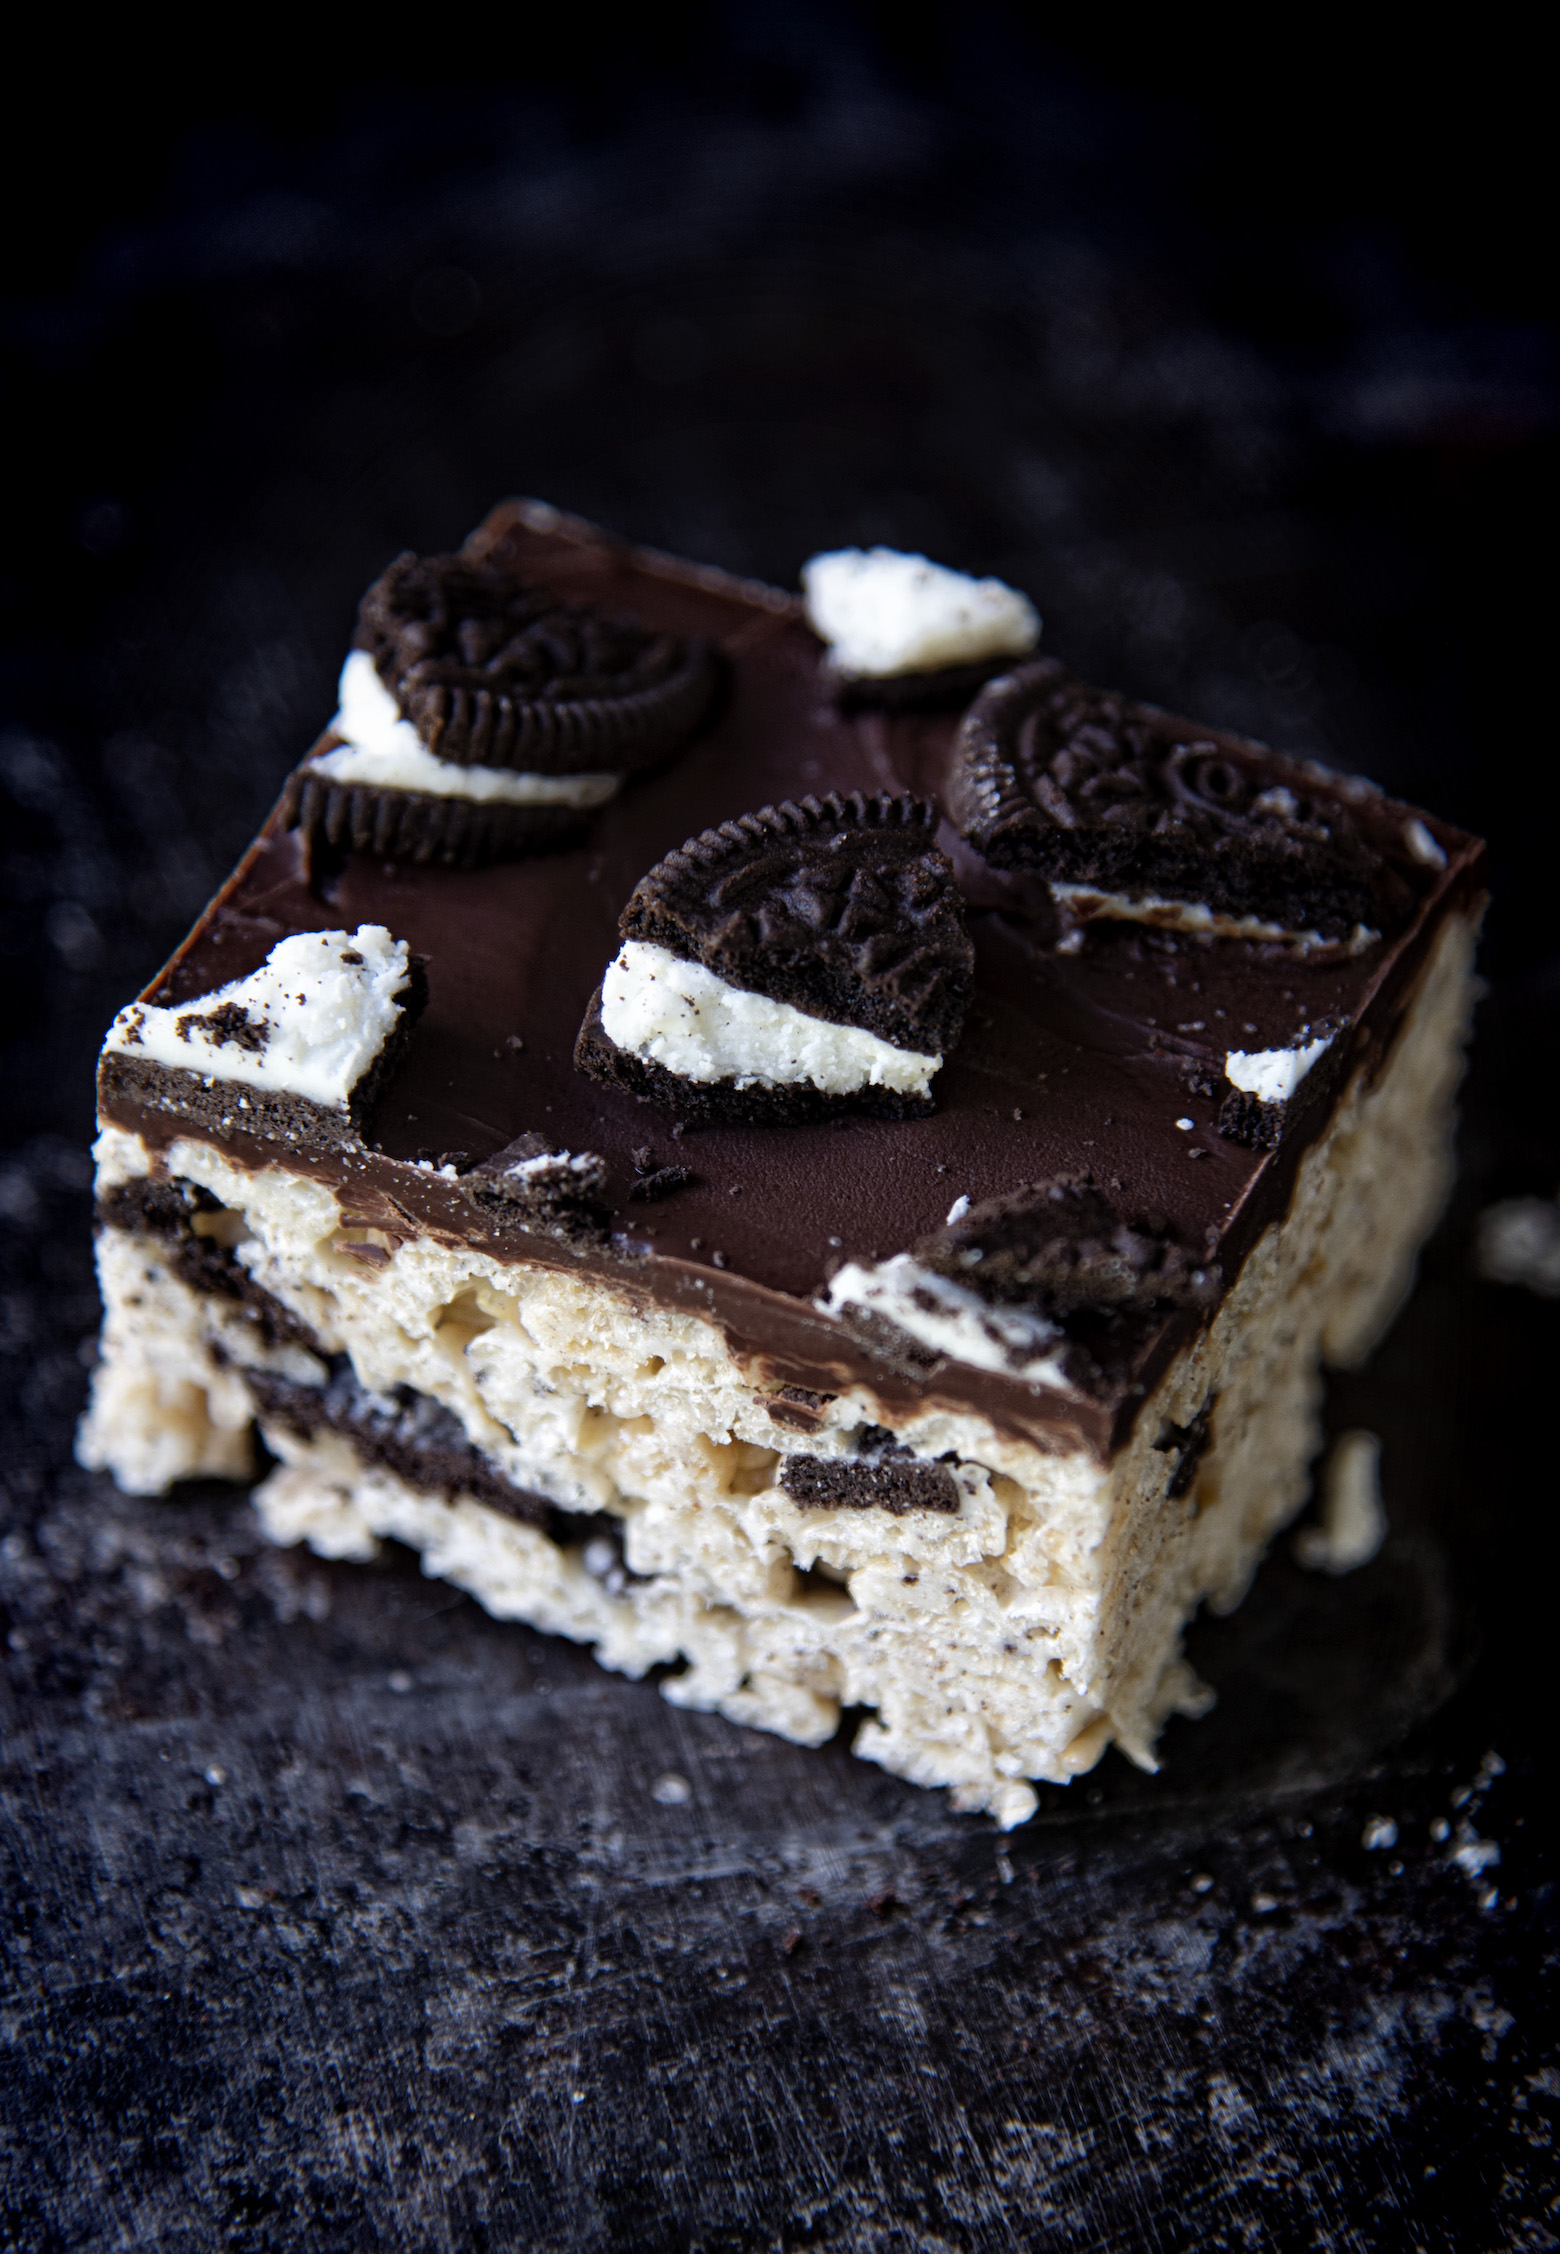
1129	815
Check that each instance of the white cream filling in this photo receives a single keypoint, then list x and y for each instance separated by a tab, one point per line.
313	1018
882	613
1427	850
385	751
949	1318
679	1015
1273	1075
1086	901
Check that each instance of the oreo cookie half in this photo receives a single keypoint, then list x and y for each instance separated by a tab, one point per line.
1130	813
1034	1284
493	673
1067	1245
905	634
796	963
479	719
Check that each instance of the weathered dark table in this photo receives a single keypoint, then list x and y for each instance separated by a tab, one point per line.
338	1915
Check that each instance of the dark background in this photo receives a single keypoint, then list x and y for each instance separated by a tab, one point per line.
1239	356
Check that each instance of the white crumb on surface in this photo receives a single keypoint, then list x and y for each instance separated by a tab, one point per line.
309	1022
547	1162
1426	849
949	1318
1186	1125
1087	901
1519	1243
1354	1524
384	751
1380	1832
1273	1075
683	1017
882	612
957	1210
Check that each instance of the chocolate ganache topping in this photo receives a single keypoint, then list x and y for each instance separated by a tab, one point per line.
1088	789
495	673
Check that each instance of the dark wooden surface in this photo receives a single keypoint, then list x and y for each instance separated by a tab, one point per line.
339	1915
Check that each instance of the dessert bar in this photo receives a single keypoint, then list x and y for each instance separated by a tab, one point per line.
840	1186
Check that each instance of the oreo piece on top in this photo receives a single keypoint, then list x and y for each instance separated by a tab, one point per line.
493	673
297	1051
906	633
803	961
1128	812
479	717
1025	1284
529	1185
1262	1087
1067	1245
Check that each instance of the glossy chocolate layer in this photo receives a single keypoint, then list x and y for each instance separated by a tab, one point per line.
1070	1061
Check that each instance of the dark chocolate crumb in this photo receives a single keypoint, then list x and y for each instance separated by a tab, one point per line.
229	1026
168	1213
661	1183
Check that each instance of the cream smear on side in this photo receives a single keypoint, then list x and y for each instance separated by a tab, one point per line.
1084	902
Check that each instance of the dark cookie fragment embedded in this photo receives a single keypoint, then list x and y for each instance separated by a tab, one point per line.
1188	1443
417	826
183	1221
493	673
1088	788
528	1185
883	1475
407	1432
1065	1246
1245	1118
